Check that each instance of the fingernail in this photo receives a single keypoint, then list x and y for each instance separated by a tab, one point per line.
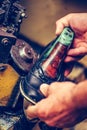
44	89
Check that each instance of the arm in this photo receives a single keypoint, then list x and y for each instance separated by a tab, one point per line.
80	95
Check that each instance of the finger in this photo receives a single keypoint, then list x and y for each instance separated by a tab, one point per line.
61	23
59	27
77	51
70	59
40	110
44	89
31	112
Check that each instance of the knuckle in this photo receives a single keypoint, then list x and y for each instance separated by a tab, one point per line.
70	15
42	113
53	85
57	22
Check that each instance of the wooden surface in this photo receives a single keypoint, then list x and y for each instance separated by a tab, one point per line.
8	80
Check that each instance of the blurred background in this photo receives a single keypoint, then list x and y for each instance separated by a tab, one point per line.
43	14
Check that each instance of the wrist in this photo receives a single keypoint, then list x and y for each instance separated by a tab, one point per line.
80	95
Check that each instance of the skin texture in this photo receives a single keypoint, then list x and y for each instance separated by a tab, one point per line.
65	104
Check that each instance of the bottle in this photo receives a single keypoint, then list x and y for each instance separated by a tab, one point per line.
48	68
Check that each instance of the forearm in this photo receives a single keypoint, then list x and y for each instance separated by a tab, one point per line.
80	95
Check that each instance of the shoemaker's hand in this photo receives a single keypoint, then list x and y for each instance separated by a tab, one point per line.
78	23
59	108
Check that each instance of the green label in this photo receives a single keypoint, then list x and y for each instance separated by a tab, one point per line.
66	36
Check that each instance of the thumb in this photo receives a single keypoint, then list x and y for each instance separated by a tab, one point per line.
59	28
31	112
61	23
44	88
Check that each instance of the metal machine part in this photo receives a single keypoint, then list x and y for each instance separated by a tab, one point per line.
11	15
16	55
6	42
23	56
8	122
16	59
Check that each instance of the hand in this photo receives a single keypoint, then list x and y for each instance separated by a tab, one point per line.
59	108
78	22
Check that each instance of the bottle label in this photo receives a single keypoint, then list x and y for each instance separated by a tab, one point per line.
50	64
66	37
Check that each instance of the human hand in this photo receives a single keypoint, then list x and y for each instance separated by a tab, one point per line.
78	23
59	109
